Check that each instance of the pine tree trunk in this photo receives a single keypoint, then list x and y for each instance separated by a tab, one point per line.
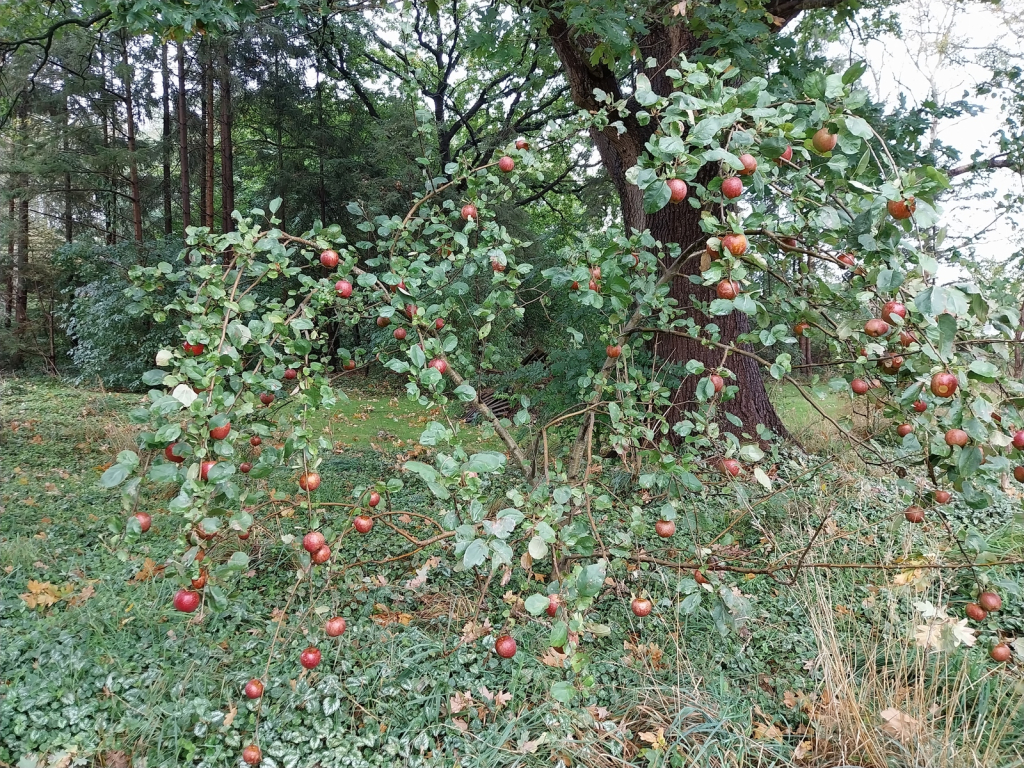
69	221
133	165
678	224
165	87
9	276
210	148
20	287
227	163
110	202
186	200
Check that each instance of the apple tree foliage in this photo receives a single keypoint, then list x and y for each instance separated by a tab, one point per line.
822	253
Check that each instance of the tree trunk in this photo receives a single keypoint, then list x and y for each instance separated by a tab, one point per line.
110	202
9	276
210	148
20	287
678	224
165	87
69	221
186	201
227	163
133	165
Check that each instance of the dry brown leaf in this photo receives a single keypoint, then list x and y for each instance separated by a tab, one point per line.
459	702
897	723
385	616
553	658
83	596
148	570
803	749
789	699
229	718
767	732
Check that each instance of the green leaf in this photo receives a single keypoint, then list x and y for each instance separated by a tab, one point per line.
559	634
536	604
222	470
426	472
947	335
166	472
656	196
475	554
969	461
983	370
591	579
489	461
859	127
562	692
154	377
854	72
114	476
465	393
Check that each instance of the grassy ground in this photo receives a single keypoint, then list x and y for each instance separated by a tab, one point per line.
95	668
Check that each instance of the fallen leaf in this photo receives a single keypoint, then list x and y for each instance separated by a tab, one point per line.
803	749
229	718
767	732
898	724
553	658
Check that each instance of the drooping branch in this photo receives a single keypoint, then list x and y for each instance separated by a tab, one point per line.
1002	160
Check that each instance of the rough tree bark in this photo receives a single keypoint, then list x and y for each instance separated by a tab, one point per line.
209	136
165	87
133	164
186	201
227	162
679	224
9	270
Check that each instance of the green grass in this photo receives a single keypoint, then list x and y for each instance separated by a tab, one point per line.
109	668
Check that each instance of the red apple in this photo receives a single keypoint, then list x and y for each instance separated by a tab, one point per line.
343	288
522	144
374	499
291	374
322	555
267	398
506	164
823	141
194	349
169	454
732	187
552	608
363	523
1018	439
253	689
575	285
801	328
383	322
907	338
904	429
438	365
335	627
219	433
641	607
713	248
145	521
749	164
730	467
204	469
665	528
245	467
309	481
920	406
505	646
717	382
944	384
593	285
1018	474
410	311
891	364
914	514
785	157
400	334
990	601
252	755
859	386
313	541
788	243
613	350
901	209
469	211
186	601
310	657
893	308
439	323
350	365
1000	653
875	327
255	441
329	259
975	612
700	578
846	259
727	289
957	437
735	244
677	190
595	272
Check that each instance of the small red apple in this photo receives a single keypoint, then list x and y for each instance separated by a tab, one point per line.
823	141
891	364
186	601
595	272
1000	653
252	755
677	190
245	467
290	374
593	285
253	689
363	523
321	556
349	365
665	528
641	607
343	288
700	578
383	322
335	627
732	187
204	470
244	535
975	612
469	211
990	601
1018	474
907	338
788	243
312	541
846	259
309	481
730	467
439	323
904	429
914	514
727	289
505	646
717	382
410	311
267	398
145	521
749	164
1018	439
944	384
891	309
875	327
522	144
920	406
713	248
859	386
438	365
901	209
169	454
219	433
374	499
801	328
957	437
329	259
735	244
552	608
613	350
255	441
194	349
942	497
506	164
785	157
310	657
400	334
